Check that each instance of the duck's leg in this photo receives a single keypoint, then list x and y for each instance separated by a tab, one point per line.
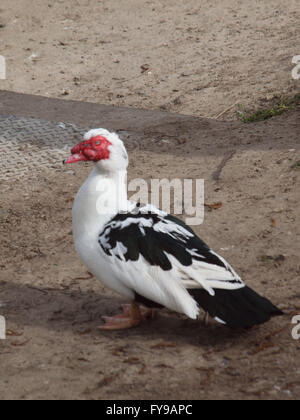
206	319
132	316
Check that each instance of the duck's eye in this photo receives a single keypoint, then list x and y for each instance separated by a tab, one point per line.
97	143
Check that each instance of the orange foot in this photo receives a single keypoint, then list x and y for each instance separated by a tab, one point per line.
132	316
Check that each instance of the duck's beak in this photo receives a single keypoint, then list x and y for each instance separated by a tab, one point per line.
78	157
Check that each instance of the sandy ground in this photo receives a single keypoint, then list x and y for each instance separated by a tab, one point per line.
205	59
198	58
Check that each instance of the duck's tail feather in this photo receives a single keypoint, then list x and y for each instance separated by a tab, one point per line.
240	308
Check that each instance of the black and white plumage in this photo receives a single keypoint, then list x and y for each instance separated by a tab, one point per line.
147	255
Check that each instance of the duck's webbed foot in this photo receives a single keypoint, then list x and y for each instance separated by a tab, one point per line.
132	316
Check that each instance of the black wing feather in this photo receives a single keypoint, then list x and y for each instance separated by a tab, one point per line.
141	238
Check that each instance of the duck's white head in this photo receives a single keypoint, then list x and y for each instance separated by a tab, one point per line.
103	148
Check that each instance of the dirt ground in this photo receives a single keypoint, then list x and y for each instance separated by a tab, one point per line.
196	58
52	306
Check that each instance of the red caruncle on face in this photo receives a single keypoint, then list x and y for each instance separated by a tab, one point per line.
94	149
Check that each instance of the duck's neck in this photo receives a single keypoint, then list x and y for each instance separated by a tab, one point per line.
98	200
